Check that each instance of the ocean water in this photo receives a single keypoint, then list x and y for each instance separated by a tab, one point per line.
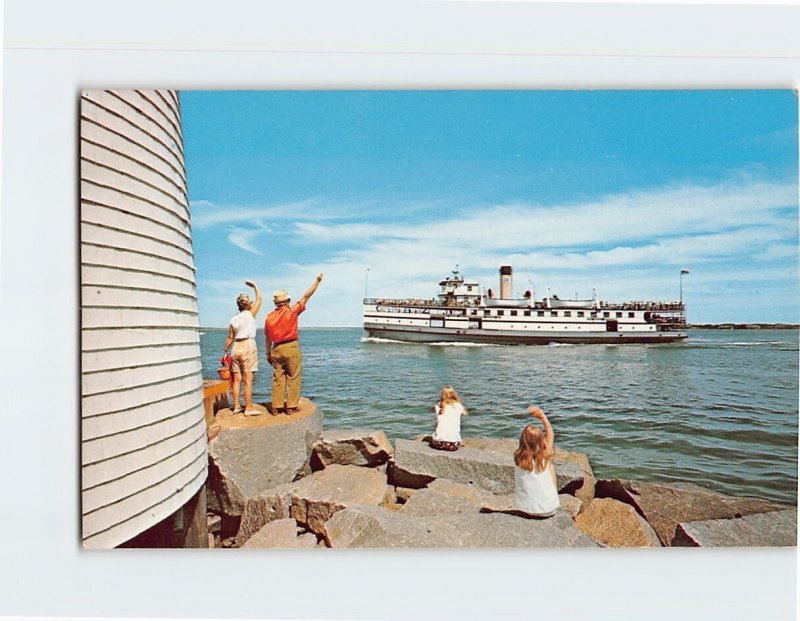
719	409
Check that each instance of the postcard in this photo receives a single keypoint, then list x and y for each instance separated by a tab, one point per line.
439	319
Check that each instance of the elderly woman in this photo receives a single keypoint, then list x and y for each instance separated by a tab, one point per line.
244	355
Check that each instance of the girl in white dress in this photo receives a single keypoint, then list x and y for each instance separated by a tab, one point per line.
535	478
449	411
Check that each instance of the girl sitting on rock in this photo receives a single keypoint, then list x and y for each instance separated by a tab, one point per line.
449	411
535	478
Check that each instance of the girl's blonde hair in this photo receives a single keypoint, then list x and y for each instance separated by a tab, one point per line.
448	396
532	452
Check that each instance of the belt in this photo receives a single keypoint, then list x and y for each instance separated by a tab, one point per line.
284	342
247	338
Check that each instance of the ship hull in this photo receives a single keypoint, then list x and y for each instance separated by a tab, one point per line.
507	337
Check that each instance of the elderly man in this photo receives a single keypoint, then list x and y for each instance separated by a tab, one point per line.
283	350
244	355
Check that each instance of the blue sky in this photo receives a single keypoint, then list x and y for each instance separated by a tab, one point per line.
617	190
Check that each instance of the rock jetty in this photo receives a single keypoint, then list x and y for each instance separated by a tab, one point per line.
285	482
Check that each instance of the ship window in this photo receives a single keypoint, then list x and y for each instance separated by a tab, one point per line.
526	313
486	313
618	314
593	314
606	314
513	313
501	313
630	315
567	313
580	313
469	287
554	313
540	313
474	312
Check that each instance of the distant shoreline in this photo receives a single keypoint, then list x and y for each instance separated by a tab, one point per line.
693	326
744	326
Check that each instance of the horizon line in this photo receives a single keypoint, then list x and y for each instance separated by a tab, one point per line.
689	326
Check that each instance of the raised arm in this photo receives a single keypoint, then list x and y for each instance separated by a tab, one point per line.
311	289
257	304
548	429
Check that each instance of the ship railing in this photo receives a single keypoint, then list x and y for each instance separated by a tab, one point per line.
668	323
642	305
399	302
671	307
678	319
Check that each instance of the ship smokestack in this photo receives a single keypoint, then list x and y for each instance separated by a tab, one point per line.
506	283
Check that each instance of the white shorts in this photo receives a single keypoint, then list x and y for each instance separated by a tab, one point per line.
244	356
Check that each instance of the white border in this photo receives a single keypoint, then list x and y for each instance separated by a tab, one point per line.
54	49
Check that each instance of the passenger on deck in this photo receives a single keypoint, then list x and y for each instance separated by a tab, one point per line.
449	411
535	478
244	355
283	349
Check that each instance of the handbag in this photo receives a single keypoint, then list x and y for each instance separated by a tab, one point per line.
224	370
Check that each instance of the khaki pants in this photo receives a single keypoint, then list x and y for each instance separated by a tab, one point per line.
287	362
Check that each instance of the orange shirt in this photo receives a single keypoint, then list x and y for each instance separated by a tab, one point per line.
281	324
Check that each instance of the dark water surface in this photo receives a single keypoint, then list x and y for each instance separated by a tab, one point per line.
720	409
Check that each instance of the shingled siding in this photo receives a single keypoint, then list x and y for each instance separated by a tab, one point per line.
143	441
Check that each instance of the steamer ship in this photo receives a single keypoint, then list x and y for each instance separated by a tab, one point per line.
461	312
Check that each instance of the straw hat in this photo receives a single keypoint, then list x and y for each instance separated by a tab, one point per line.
280	296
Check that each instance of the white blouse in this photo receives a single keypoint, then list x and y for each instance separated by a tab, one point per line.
244	325
535	492
448	423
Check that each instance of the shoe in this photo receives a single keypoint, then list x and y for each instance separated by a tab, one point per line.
292	410
252	413
238	410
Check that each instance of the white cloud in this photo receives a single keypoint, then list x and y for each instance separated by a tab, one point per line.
779	252
206	213
243	239
343	232
630	246
614	219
